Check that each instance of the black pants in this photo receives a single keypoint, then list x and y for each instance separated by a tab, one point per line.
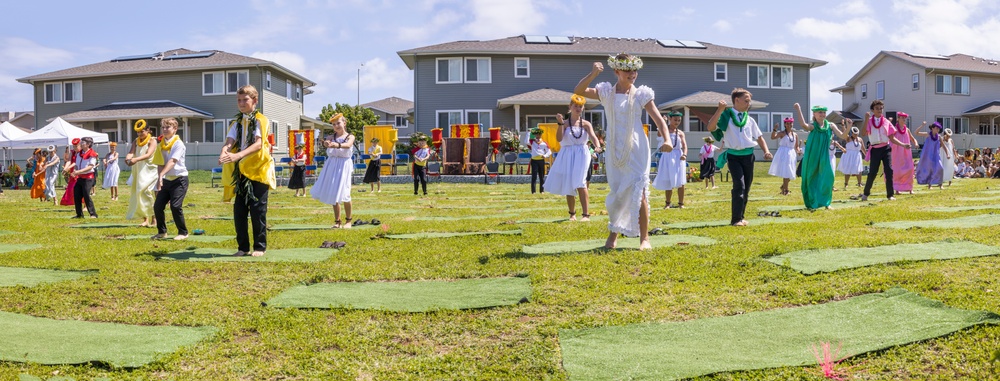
81	195
538	172
741	167
881	155
419	178
244	206
173	192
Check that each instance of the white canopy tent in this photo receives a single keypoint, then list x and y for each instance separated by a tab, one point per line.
9	132
59	133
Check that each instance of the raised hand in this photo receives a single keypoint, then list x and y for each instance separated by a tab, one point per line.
559	117
598	67
722	104
797	107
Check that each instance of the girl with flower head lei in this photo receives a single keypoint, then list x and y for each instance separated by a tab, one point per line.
740	134
948	156
627	146
144	174
672	169
111	170
568	175
851	163
787	156
902	157
817	170
930	169
333	185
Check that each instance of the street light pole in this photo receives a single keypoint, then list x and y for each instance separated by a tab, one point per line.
359	84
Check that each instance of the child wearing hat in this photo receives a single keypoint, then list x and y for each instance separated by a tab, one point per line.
111	170
948	156
539	151
373	174
671	170
297	180
817	171
85	164
707	156
787	156
930	169
902	157
851	163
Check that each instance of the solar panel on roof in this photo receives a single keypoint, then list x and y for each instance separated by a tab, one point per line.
931	56
670	43
536	40
559	40
135	57
191	55
692	44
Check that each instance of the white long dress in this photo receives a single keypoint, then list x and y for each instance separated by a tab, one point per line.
111	172
333	186
948	149
671	173
140	203
569	170
851	162
627	156
833	157
783	164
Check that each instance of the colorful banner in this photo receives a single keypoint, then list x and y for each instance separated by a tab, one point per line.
465	130
436	134
387	137
305	139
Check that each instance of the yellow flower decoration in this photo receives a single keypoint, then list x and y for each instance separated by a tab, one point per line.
578	100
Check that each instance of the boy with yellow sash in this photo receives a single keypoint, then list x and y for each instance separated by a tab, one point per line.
248	169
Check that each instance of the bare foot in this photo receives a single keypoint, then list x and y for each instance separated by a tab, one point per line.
584	218
612	241
741	223
257	254
572	217
644	244
180	237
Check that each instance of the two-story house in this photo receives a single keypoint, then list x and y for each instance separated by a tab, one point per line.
961	92
392	111
521	81
198	88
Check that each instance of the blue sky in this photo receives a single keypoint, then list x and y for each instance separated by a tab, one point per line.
327	41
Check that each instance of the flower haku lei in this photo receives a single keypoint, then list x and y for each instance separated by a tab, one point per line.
632	63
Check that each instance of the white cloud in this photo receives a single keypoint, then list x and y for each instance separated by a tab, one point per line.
968	29
850	30
855	7
722	26
21	53
833	58
439	21
377	74
819	93
779	47
289	60
503	18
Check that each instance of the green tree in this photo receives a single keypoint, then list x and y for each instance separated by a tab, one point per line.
357	117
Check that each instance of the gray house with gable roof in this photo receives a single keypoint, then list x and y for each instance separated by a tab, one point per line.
197	87
518	82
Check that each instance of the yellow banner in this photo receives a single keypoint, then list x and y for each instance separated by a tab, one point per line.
387	137
549	135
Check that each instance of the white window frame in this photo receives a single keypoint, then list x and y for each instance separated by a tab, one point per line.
298	92
437	73
767	80
946	122
267	80
864	91
79	86
237	87
288	90
965	125
947	81
215	91
397	118
45	92
725	71
112	132
791	77
954	87
776	117
437	118
880	90
273	131
602	125
465	117
215	138
915	80
527	67
756	115
489	65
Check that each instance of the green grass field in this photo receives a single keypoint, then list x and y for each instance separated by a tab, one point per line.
520	342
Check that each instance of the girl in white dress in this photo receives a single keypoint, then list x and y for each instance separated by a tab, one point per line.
851	163
628	150
834	146
144	175
568	175
787	155
333	186
111	171
671	170
947	156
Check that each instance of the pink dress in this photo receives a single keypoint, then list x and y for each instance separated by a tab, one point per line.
902	162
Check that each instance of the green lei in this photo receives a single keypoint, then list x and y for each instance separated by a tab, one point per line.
739	122
242	183
826	125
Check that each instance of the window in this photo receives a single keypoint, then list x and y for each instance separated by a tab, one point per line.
235	80
214	131
864	90
777	119
212	83
288	90
449	70
446	118
522	67
298	92
483	117
762	118
781	77
401	121
757	76
273	131
916	81
53	92
880	90
477	70
112	134
596	119
943	85
267	80
961	86
961	125
945	123
721	72
73	91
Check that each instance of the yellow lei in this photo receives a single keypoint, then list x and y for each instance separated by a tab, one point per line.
258	166
164	146
140	143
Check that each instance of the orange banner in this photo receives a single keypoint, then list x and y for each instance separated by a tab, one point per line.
465	131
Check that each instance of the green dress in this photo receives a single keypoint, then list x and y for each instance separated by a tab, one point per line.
817	173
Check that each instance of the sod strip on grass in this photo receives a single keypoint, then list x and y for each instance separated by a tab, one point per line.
312	227
753	222
104	225
32	339
418	296
450	234
192	238
960	222
9	247
479	216
963	208
272	255
757	340
834	206
230	218
815	261
20	276
551	220
6	232
549	248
